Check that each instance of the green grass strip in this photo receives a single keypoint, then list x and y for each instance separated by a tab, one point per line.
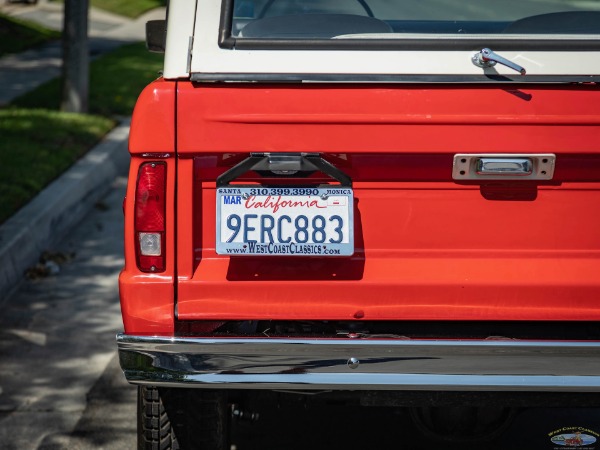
17	35
39	145
127	8
116	79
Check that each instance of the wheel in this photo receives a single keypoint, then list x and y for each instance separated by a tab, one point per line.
180	419
462	424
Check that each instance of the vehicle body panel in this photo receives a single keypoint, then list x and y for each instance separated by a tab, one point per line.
147	299
427	247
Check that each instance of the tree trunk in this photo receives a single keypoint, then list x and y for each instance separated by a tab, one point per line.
75	88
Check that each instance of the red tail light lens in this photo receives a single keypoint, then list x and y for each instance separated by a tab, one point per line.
150	217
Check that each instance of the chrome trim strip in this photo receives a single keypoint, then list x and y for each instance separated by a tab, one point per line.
359	364
251	77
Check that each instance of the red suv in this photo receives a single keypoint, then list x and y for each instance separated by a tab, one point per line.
362	197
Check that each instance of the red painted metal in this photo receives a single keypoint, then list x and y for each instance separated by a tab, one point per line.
147	300
427	247
388	118
430	252
153	121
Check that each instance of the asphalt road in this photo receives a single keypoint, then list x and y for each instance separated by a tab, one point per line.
57	338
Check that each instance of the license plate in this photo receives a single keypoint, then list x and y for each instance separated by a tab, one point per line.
294	221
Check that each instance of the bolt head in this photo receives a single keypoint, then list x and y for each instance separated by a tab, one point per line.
353	363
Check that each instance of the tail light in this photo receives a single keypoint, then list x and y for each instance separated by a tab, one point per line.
150	217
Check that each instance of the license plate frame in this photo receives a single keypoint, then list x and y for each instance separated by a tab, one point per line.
300	221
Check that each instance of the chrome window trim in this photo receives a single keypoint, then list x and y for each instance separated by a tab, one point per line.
390	78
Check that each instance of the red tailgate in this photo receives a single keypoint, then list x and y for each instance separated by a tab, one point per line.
427	246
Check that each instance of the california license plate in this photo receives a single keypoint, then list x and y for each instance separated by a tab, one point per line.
286	221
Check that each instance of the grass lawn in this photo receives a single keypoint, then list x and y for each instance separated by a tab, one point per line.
39	143
18	35
128	8
37	146
116	79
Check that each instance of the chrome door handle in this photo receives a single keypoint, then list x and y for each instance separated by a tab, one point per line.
504	166
487	58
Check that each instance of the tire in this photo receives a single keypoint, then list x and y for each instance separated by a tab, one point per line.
181	419
466	425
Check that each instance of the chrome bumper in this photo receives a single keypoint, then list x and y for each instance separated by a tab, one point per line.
361	364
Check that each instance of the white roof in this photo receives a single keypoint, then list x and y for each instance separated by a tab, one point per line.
194	30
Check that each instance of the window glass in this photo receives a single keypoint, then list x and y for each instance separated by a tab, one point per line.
327	19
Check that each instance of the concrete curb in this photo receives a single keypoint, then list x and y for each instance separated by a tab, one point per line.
58	208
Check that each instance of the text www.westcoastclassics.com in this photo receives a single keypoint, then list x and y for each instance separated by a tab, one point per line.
271	248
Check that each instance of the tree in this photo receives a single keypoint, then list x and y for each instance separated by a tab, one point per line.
75	88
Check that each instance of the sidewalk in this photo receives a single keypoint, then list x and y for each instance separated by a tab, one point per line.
62	204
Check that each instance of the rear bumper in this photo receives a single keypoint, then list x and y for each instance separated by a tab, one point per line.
361	364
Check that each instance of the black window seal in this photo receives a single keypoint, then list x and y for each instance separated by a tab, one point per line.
471	43
226	40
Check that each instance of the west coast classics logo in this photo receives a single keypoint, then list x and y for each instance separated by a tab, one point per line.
574	437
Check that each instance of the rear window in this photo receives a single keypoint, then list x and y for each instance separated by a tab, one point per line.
450	23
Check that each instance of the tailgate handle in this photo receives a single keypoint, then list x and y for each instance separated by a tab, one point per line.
504	166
